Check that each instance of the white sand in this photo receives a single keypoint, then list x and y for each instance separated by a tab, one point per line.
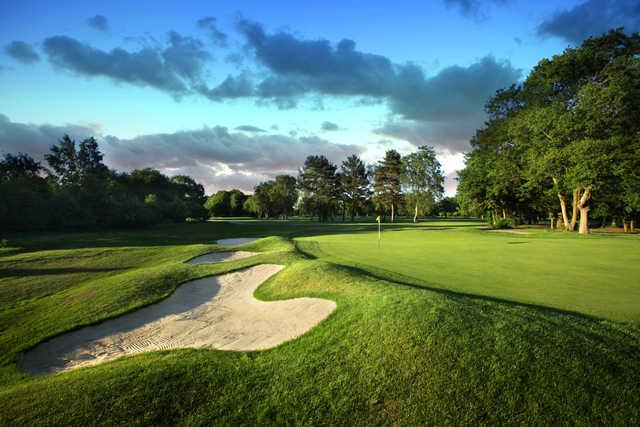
510	232
220	257
236	241
215	312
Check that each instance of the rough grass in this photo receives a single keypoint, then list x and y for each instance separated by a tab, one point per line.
392	352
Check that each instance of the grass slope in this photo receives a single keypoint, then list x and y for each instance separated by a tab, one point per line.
390	353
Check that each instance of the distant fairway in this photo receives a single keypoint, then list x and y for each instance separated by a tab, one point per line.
596	275
553	339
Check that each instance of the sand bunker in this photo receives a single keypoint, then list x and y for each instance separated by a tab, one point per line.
236	241
220	257
510	232
216	312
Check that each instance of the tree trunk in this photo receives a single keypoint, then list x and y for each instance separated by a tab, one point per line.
559	223
574	214
563	204
584	211
625	225
415	213
584	220
563	207
632	226
552	219
393	212
504	214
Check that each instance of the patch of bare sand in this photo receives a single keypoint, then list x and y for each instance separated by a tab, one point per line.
236	241
511	232
220	257
215	312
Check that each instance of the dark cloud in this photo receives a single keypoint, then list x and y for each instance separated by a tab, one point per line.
214	156
445	106
249	128
301	66
210	25
448	136
474	9
592	18
99	22
35	139
22	52
172	69
232	87
329	126
454	92
185	56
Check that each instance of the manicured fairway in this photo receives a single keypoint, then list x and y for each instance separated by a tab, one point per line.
397	349
595	275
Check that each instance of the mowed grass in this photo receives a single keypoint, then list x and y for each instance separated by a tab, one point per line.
594	275
397	350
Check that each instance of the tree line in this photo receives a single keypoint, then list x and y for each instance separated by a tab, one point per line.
77	191
413	184
564	145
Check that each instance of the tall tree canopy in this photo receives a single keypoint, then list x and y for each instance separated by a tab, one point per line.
423	179
318	183
388	178
570	132
354	179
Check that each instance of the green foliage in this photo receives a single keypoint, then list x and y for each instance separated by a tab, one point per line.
423	179
571	128
354	185
81	192
503	223
388	182
219	204
319	185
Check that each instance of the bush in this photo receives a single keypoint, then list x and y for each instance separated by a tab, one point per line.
503	224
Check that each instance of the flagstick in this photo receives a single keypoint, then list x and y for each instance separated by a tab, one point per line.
378	234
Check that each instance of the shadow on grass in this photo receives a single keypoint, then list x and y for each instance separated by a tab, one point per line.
197	233
399	279
23	272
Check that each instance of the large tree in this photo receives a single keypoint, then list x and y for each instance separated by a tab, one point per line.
388	182
318	183
569	130
354	179
423	179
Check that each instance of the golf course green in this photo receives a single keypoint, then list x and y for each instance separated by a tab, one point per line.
441	323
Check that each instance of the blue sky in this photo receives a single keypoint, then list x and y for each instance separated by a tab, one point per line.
233	93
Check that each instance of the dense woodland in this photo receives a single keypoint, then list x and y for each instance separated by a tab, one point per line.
77	191
563	146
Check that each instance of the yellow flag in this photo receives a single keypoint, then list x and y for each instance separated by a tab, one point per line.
378	219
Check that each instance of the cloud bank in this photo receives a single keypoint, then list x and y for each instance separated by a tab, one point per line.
172	69
217	158
592	18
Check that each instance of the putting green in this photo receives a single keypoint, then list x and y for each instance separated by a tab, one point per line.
594	275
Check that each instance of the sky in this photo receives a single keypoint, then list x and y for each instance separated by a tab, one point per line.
235	93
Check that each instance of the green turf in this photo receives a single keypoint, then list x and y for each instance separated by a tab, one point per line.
397	350
594	275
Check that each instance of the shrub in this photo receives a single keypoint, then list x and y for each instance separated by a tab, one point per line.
503	223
